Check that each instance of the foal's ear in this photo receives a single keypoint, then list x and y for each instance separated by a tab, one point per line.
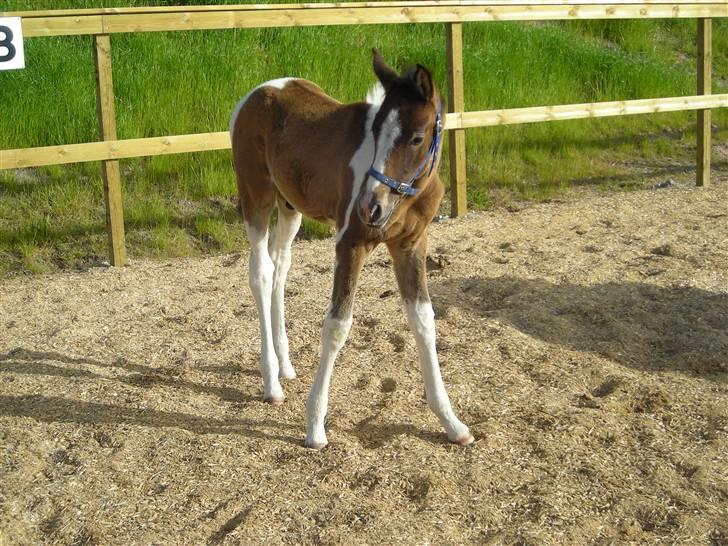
423	81
385	74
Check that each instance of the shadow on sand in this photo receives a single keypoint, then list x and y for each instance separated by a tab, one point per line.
53	409
24	361
639	325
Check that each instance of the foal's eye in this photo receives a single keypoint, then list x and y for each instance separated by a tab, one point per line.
416	140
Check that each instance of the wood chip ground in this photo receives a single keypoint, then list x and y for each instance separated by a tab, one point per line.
585	343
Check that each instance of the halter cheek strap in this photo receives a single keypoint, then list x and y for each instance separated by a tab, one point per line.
405	188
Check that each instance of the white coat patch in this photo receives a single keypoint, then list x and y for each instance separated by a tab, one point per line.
359	164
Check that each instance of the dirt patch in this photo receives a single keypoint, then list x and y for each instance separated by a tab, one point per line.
584	342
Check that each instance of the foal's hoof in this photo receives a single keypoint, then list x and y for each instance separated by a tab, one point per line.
318	446
287	374
274	400
464	440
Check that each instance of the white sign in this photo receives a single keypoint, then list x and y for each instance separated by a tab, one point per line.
12	54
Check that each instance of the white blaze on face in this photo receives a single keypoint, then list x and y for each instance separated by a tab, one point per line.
359	165
364	157
388	134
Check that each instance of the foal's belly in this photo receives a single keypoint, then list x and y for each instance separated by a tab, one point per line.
309	193
311	210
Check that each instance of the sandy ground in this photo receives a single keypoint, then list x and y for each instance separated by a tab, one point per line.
585	343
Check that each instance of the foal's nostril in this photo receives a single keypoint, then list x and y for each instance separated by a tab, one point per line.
375	214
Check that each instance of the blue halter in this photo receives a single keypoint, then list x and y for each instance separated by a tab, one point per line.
405	188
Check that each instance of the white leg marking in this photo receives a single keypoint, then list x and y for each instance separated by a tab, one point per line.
334	336
286	229
280	83
261	284
422	323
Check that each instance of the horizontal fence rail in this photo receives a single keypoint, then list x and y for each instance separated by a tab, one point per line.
226	17
204	142
102	22
113	149
513	116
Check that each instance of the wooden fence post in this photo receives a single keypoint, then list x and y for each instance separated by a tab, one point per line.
705	61
109	169
456	103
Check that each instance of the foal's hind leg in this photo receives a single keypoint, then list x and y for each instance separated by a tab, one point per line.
410	269
256	214
289	221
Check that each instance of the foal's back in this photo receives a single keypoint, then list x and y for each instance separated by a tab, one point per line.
291	139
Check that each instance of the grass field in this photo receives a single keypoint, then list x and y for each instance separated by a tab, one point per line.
185	82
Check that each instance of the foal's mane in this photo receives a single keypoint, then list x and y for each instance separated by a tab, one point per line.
375	95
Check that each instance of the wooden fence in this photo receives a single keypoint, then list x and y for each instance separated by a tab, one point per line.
101	23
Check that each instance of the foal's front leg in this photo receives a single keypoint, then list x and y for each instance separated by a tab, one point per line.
410	269
337	323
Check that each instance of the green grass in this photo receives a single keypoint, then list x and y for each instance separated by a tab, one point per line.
186	82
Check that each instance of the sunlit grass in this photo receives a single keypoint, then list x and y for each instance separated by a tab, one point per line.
187	82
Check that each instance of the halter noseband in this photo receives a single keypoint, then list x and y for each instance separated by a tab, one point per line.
405	188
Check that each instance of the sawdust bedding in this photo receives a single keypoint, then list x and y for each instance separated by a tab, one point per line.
585	343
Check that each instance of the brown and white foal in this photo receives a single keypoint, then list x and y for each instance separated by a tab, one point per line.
369	168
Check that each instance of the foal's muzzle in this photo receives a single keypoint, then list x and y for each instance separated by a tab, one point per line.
373	211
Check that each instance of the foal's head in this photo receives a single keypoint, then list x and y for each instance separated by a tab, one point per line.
407	132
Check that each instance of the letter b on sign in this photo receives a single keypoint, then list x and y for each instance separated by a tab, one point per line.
7	43
12	54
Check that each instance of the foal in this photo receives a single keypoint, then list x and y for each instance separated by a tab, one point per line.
371	170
